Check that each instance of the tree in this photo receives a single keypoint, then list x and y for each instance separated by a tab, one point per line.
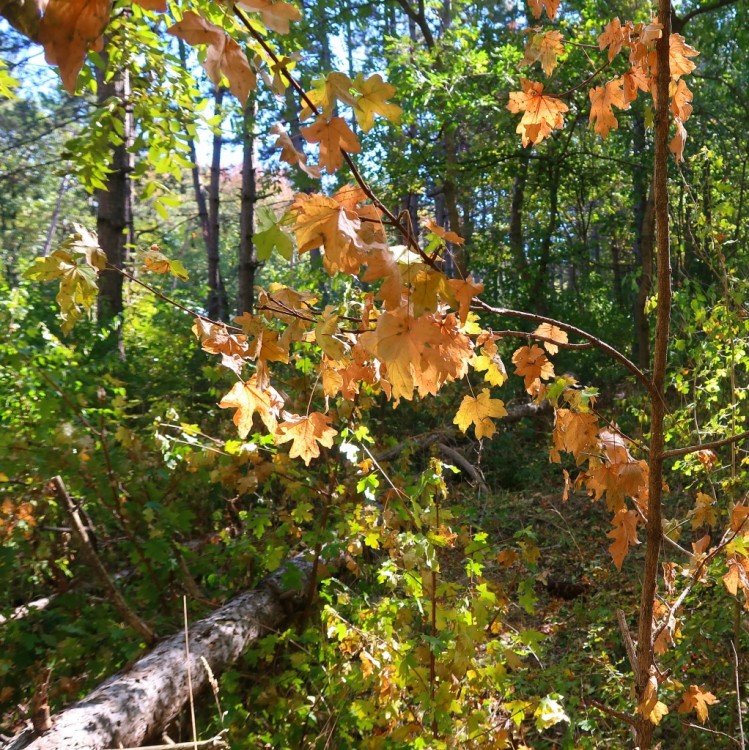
416	334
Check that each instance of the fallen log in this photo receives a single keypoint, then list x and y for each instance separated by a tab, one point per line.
143	699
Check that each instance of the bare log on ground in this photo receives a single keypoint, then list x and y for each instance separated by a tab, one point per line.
140	701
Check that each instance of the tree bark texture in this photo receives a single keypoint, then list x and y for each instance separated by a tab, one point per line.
114	204
248	262
140	701
646	668
217	302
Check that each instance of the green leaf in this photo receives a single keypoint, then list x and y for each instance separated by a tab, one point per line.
270	235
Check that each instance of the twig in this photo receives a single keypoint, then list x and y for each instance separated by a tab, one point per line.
610	711
545	339
215	742
628	643
594	340
674	452
737	680
464	464
194	743
79	531
710	731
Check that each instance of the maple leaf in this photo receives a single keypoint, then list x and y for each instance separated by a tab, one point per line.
623	534
325	332
320	220
614	36
76	263
574	432
602	99
541	114
68	29
550	331
703	513
636	79
464	292
679	53
381	264
443	233
532	364
373	100
269	235
490	364
334	136
479	411
545	47
736	577
697	699
216	339
276	15
306	432
154	260
427	287
326	92
224	56
247	398
289	152
676	146
681	100
551	7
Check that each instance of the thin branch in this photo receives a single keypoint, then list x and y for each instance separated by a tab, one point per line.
215	742
115	597
546	339
610	711
705	446
594	340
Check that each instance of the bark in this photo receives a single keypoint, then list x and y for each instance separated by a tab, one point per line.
645	667
538	291
517	243
140	701
644	249
114	223
55	216
248	262
217	302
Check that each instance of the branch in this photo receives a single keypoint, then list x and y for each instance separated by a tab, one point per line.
610	711
705	446
594	340
680	23
215	742
527	335
81	535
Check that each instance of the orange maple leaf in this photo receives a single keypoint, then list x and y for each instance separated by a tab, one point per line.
602	99
574	432
532	364
306	432
541	114
464	292
323	221
334	136
381	264
614	36
216	339
224	56
545	47
290	154
697	699
551	7
443	233
624	533
636	79
550	331
679	53
479	411
275	13
676	146
68	29
247	398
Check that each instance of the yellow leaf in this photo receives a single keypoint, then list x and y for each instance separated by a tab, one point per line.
464	292
327	92
276	15
306	432
374	93
545	47
479	411
325	332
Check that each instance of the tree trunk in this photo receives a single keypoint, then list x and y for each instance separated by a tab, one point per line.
646	671
644	249
114	223
248	263
140	701
537	300
517	243
217	302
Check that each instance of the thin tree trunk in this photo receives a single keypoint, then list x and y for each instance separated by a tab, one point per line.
538	291
55	216
517	242
217	302
645	248
114	204
248	263
646	669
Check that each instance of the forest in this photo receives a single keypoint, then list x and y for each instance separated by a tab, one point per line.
374	374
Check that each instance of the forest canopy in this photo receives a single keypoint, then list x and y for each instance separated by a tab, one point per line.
374	375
